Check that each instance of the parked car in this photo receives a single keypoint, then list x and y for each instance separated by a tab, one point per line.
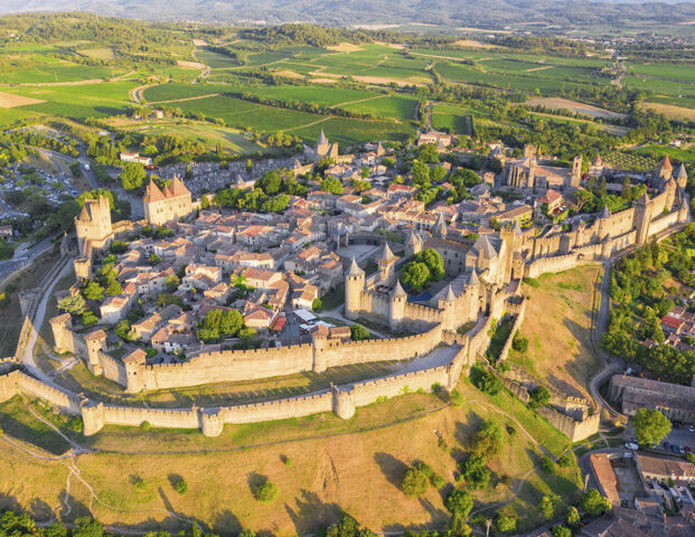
687	449
632	446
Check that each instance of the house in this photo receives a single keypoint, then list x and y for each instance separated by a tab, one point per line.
115	308
665	470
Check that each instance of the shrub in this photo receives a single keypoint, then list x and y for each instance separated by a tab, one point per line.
425	469
519	343
564	461
181	486
414	483
266	492
456	399
548	465
145	426
76	424
539	397
438	481
286	460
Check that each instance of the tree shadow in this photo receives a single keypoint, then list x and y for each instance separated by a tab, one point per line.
311	514
74	509
226	524
391	467
173	479
40	510
9	502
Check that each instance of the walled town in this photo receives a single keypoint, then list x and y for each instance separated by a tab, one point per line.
200	292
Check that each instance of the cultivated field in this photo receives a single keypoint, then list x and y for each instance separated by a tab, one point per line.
556	103
8	100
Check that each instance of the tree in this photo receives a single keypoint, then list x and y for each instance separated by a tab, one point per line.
333	185
428	153
123	331
414	483
266	491
650	426
132	176
519	343
489	383
594	503
547	506
459	503
561	531
476	472
87	527
94	291
572	517
487	442
415	276
421	175
506	523
539	397
316	304
73	304
89	318
359	332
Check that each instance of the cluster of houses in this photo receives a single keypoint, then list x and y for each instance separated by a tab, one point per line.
678	326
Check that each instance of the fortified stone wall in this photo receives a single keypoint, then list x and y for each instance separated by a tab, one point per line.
113	369
573	429
518	321
222	366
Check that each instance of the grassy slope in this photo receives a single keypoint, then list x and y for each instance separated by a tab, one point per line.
559	346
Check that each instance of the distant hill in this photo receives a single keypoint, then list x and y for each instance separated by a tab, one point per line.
452	13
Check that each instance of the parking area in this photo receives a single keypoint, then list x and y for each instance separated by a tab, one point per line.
681	437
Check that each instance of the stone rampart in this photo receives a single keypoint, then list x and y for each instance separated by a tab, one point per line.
518	321
575	430
113	369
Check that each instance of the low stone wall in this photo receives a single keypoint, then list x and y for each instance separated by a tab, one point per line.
518	321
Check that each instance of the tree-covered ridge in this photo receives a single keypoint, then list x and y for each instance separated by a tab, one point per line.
644	287
129	39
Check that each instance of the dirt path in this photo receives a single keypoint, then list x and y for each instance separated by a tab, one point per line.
361	100
206	96
309	124
137	94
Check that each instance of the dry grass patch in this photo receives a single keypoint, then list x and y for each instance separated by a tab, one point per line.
9	100
345	47
98	53
557	103
671	111
557	324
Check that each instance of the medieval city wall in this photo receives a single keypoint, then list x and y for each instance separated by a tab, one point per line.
224	366
113	369
663	222
368	391
575	430
291	407
334	354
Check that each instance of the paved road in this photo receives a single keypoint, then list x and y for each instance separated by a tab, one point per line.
28	354
24	255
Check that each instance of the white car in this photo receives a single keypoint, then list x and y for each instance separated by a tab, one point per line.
632	446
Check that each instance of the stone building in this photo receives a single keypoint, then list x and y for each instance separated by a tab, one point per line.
323	149
94	231
529	174
676	402
167	205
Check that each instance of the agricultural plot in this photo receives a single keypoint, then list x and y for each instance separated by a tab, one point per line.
671	91
629	161
175	91
529	82
58	72
355	131
451	118
322	95
215	60
230	140
245	114
78	102
683	73
398	107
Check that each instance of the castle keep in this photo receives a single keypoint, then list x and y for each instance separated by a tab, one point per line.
168	205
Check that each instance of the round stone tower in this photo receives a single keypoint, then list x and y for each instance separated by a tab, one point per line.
343	402
397	306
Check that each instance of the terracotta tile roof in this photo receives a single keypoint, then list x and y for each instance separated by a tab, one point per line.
153	193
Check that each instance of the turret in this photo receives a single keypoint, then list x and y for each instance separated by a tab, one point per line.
354	284
440	229
387	259
643	217
681	176
413	244
397	302
577	171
